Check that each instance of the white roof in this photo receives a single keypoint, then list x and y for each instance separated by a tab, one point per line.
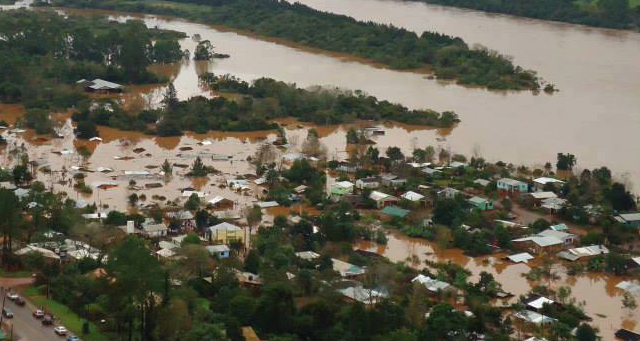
180	215
83	253
360	294
533	317
167	245
554	233
431	284
154	227
95	138
31	248
544	180
101	84
346	269
511	182
307	255
259	181
136	172
225	226
104	169
267	204
520	257
377	196
236	182
630	216
217	199
97	184
189	193
541	241
482	182
456	164
543	195
533	338
217	248
413	196
539	302
344	184
631	287
166	253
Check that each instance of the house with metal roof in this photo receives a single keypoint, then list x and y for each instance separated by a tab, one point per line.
511	185
432	284
481	203
100	85
583	252
631	219
224	233
363	295
412	196
382	199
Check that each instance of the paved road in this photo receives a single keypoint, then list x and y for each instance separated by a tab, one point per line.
25	326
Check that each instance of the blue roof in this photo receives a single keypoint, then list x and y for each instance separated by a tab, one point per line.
395	211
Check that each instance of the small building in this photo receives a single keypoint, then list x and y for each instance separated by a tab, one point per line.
632	263
536	302
382	199
165	253
432	284
559	227
512	186
481	203
539	244
300	189
583	252
630	287
449	193
539	197
540	183
627	335
631	219
341	188
100	85
457	164
224	233
247	278
346	269
412	196
430	172
553	204
534	317
523	257
395	211
482	182
391	180
220	203
567	238
363	295
368	183
154	230
307	255
220	251
7	185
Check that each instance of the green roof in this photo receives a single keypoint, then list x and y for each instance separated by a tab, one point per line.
395	211
478	200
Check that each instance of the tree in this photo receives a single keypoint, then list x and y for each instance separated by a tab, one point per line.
204	50
11	220
198	168
395	154
507	204
170	99
204	331
615	10
253	215
252	262
86	129
565	161
193	202
276	308
444	321
190	239
167	168
628	301
586	333
620	198
134	55
352	136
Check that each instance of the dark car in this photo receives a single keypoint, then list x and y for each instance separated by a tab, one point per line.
6	312
38	314
47	320
20	301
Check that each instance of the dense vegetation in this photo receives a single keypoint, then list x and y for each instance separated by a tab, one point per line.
256	105
450	57
43	55
605	13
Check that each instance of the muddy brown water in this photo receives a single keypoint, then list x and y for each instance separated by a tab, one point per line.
602	301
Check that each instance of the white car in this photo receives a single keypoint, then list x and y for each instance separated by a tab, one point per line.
60	330
12	295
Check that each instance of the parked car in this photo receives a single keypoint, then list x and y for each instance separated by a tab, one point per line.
12	296
73	338
19	301
38	314
47	320
60	330
6	312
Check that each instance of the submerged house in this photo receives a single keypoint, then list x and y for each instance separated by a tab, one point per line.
382	199
100	85
432	284
363	295
583	252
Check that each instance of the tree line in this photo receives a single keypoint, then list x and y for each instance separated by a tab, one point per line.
450	57
43	54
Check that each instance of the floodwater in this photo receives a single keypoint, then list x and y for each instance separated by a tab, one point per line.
602	301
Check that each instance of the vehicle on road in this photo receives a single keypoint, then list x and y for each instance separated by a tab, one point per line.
73	338
12	296
60	330
20	301
6	312
38	314
47	320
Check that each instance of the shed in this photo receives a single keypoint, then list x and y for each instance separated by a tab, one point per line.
220	251
520	257
412	196
481	203
395	211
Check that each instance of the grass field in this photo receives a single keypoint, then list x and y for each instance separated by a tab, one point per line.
67	318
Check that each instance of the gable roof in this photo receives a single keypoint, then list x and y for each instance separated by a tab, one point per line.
413	196
543	195
101	84
520	257
224	226
511	182
431	284
377	196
